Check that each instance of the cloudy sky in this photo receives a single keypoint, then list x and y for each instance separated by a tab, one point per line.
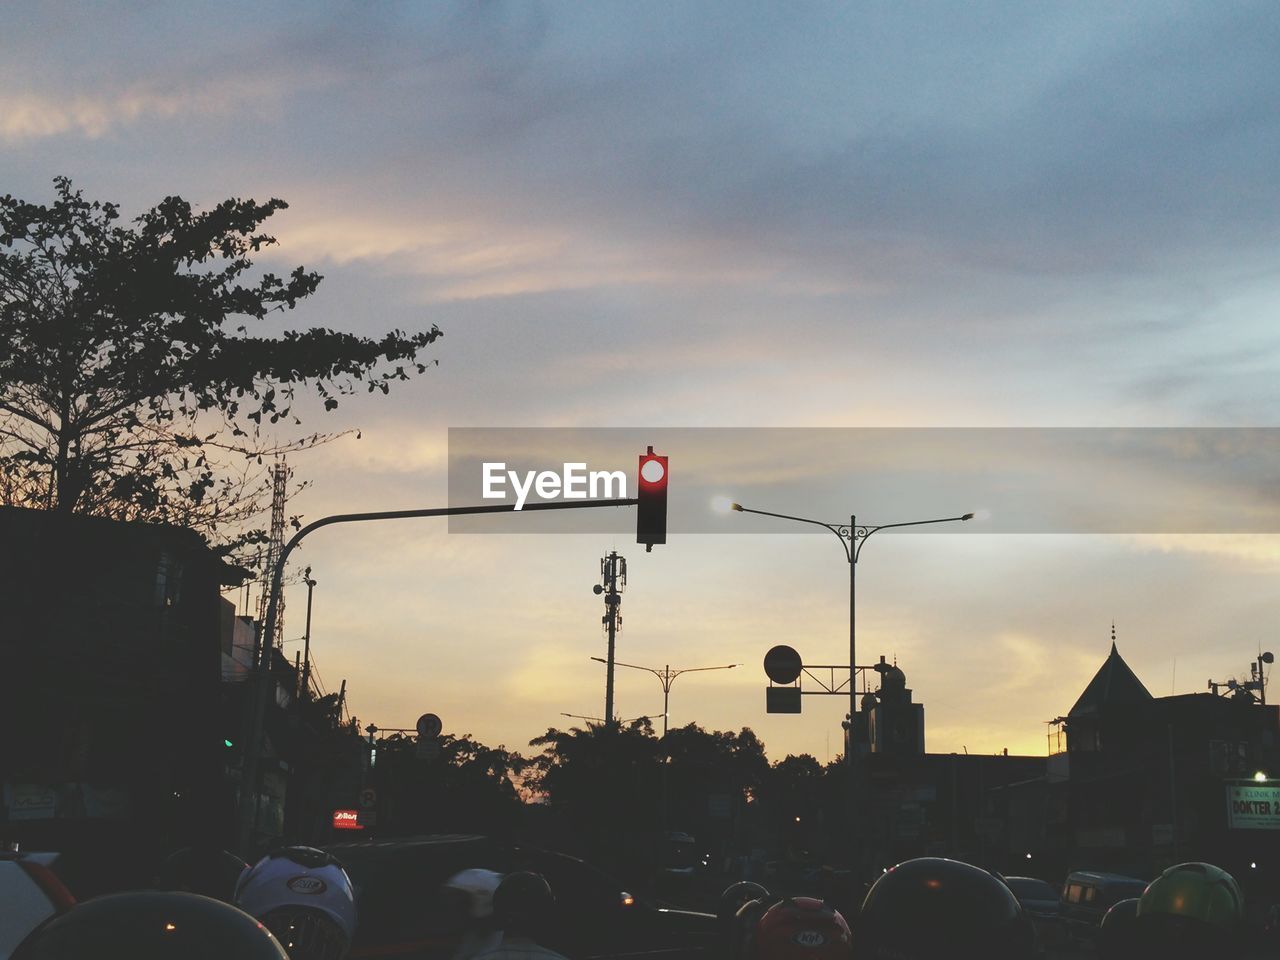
729	215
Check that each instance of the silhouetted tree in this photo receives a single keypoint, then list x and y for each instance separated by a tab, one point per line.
470	787
706	763
604	781
130	386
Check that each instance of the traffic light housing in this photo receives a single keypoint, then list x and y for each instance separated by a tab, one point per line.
651	507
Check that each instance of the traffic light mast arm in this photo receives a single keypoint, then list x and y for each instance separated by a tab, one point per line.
249	775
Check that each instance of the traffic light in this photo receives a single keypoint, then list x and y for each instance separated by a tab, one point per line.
651	510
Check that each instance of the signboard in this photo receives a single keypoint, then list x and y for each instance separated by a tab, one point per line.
346	820
368	798
1253	806
30	801
427	749
782	699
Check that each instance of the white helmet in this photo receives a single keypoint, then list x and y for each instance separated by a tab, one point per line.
478	885
290	884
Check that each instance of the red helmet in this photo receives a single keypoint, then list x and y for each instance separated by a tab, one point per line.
801	928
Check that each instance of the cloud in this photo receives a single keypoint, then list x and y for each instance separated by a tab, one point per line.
732	213
34	116
1260	552
546	674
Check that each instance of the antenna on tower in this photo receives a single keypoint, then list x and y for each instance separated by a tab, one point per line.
613	580
279	485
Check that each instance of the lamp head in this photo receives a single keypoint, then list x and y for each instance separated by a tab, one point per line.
967	516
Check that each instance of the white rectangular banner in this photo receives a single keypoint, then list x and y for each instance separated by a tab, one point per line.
1254	806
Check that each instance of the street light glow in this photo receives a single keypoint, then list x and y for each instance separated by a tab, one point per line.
1260	776
724	505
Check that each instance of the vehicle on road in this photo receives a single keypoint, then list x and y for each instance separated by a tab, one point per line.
1087	895
401	909
1040	902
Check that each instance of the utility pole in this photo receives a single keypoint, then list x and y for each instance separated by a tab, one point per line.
613	574
306	640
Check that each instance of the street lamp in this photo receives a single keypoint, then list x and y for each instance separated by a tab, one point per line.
852	536
666	676
621	723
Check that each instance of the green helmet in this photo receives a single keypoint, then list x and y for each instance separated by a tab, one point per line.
1195	891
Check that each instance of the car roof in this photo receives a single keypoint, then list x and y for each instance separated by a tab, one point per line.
432	840
1099	876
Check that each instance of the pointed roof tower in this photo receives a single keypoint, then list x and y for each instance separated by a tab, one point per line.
1113	683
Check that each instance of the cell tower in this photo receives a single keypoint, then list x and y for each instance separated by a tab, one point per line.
279	483
613	580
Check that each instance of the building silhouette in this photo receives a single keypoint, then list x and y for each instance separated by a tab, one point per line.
122	712
1135	783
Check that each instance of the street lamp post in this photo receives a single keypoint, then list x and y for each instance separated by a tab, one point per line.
852	537
602	720
666	676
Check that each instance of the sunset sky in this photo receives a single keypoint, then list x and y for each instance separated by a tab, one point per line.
730	214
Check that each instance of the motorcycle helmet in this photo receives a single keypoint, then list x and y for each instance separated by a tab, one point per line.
305	898
151	925
801	928
933	907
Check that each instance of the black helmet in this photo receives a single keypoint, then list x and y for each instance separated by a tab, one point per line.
1116	937
204	870
928	908
522	901
735	895
152	925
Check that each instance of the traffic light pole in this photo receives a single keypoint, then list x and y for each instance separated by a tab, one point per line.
261	689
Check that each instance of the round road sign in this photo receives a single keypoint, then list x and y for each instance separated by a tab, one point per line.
782	664
368	798
429	726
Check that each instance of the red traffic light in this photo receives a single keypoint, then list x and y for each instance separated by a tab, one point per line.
651	508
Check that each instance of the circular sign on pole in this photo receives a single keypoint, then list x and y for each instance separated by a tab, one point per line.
783	664
429	726
368	798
